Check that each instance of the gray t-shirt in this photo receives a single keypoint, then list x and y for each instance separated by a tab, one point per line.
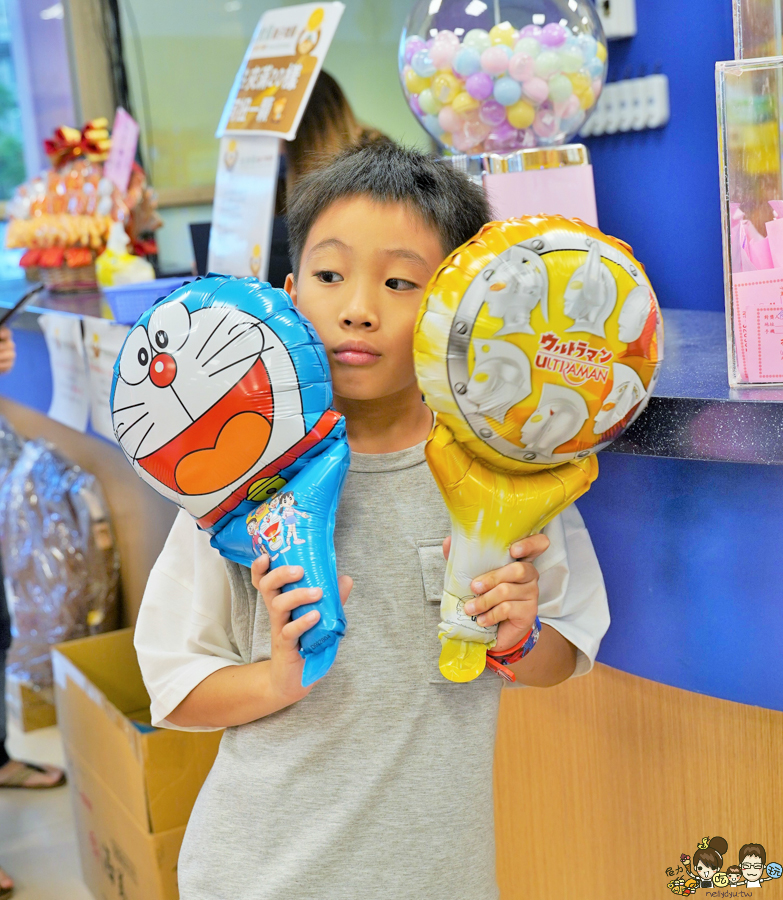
378	784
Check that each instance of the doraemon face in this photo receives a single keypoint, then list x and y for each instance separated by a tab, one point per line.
204	399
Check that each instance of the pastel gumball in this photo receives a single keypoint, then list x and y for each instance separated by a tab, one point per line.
547	64
464	104
445	87
467	62
553	35
447	37
560	88
521	114
416	109
589	46
600	52
504	133
492	113
505	33
546	124
432	125
507	91
475	131
580	82
423	65
428	103
529	46
587	100
480	85
595	68
443	52
494	60
449	120
415	83
571	59
521	66
533	31
412	46
536	89
447	139
597	87
567	108
478	39
572	124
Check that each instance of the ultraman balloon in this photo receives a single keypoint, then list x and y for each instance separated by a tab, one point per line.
538	342
221	401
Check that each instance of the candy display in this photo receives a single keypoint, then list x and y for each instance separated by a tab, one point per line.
221	401
502	77
63	217
537	344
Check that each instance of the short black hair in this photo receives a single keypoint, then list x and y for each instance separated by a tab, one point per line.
444	197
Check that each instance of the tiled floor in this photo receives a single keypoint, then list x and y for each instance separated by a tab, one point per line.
37	836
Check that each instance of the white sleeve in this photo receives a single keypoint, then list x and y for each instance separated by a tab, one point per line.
572	595
183	631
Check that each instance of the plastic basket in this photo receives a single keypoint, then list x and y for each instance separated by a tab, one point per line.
129	301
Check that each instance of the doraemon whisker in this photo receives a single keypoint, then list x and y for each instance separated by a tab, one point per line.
227	344
123	408
235	363
133	425
143	438
209	336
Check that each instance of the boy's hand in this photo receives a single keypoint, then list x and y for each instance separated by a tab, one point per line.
7	351
509	595
287	664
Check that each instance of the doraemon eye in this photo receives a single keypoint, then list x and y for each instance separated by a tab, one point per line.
168	327
136	356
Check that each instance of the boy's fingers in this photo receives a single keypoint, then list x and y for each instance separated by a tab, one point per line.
258	570
293	630
521	615
530	547
286	601
447	547
513	573
344	583
503	593
276	579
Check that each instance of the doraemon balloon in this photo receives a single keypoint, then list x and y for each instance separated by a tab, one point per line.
538	342
221	401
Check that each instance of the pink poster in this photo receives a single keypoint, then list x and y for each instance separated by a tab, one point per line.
124	138
566	191
758	325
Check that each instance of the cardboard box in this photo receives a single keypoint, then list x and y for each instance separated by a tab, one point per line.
133	786
28	705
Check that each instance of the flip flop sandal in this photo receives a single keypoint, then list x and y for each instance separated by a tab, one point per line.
19	780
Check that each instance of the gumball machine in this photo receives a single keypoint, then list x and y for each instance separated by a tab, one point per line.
503	87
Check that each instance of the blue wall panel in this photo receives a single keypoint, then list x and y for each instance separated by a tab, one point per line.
690	555
659	190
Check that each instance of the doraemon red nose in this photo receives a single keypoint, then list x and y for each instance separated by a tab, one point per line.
163	370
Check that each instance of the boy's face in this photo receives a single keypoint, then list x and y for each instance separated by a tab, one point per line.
361	281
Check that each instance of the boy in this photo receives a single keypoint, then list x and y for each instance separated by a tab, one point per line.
375	784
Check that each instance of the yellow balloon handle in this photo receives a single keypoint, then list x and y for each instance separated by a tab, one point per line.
462	661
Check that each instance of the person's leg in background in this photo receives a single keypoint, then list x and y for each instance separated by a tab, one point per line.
6	882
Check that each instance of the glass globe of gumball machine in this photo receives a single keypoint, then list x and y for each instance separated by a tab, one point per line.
503	86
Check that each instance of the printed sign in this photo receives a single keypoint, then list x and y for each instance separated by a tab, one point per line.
243	208
276	78
102	344
70	381
758	325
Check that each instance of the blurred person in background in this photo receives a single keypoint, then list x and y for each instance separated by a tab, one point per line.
328	127
15	773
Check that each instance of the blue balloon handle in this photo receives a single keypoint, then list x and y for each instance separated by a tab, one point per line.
296	528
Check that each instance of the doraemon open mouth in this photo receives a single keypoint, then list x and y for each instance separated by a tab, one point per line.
222	444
